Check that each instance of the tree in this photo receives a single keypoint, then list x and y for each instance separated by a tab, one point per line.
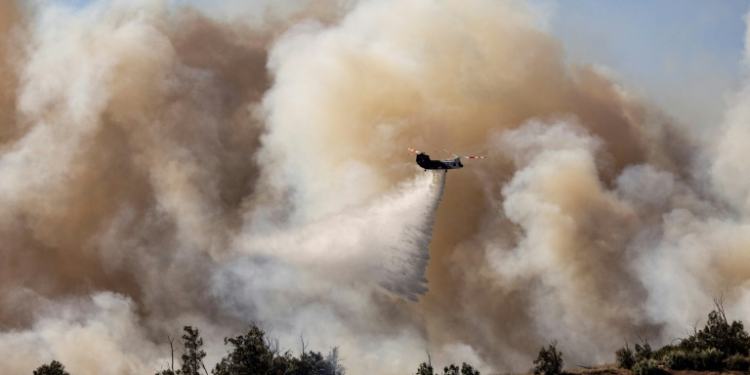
625	357
54	368
719	334
335	362
192	360
253	353
425	369
549	362
312	363
250	354
451	370
170	370
717	346
466	369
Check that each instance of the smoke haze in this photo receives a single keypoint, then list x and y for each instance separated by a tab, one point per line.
160	168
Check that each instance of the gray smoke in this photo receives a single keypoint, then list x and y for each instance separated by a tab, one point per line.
160	168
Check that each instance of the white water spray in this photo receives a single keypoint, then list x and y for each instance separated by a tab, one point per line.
405	264
384	243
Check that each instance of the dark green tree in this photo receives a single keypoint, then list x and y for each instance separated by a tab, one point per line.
625	357
451	370
719	345
549	361
425	369
250	354
466	369
192	359
312	363
253	353
718	333
54	368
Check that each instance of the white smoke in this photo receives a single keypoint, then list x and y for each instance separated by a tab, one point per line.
590	252
155	176
67	330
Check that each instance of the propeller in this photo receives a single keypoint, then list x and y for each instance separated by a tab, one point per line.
454	155
465	157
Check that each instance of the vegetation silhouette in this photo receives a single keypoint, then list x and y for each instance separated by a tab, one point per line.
425	368
719	346
549	361
54	368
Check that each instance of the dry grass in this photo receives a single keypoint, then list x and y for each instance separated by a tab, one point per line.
614	370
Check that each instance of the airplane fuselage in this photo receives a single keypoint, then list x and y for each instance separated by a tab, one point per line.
424	161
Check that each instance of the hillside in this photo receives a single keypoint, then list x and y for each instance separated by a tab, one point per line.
612	369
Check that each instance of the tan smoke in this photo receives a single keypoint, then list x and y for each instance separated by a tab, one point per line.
12	23
160	168
455	75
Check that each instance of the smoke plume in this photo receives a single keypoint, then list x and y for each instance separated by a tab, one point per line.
160	167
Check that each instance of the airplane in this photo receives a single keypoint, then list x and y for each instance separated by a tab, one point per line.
425	162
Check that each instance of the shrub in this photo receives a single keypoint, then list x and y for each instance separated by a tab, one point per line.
643	352
678	360
718	346
625	357
665	350
737	362
549	362
709	359
648	367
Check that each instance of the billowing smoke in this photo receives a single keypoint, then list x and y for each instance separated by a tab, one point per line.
160	168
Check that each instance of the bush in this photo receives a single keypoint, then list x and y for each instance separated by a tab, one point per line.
467	369
643	352
648	367
678	360
737	362
709	359
625	357
549	362
719	345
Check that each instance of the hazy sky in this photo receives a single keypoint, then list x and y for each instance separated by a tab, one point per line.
684	54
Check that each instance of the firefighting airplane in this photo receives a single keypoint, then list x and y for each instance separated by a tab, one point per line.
425	162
